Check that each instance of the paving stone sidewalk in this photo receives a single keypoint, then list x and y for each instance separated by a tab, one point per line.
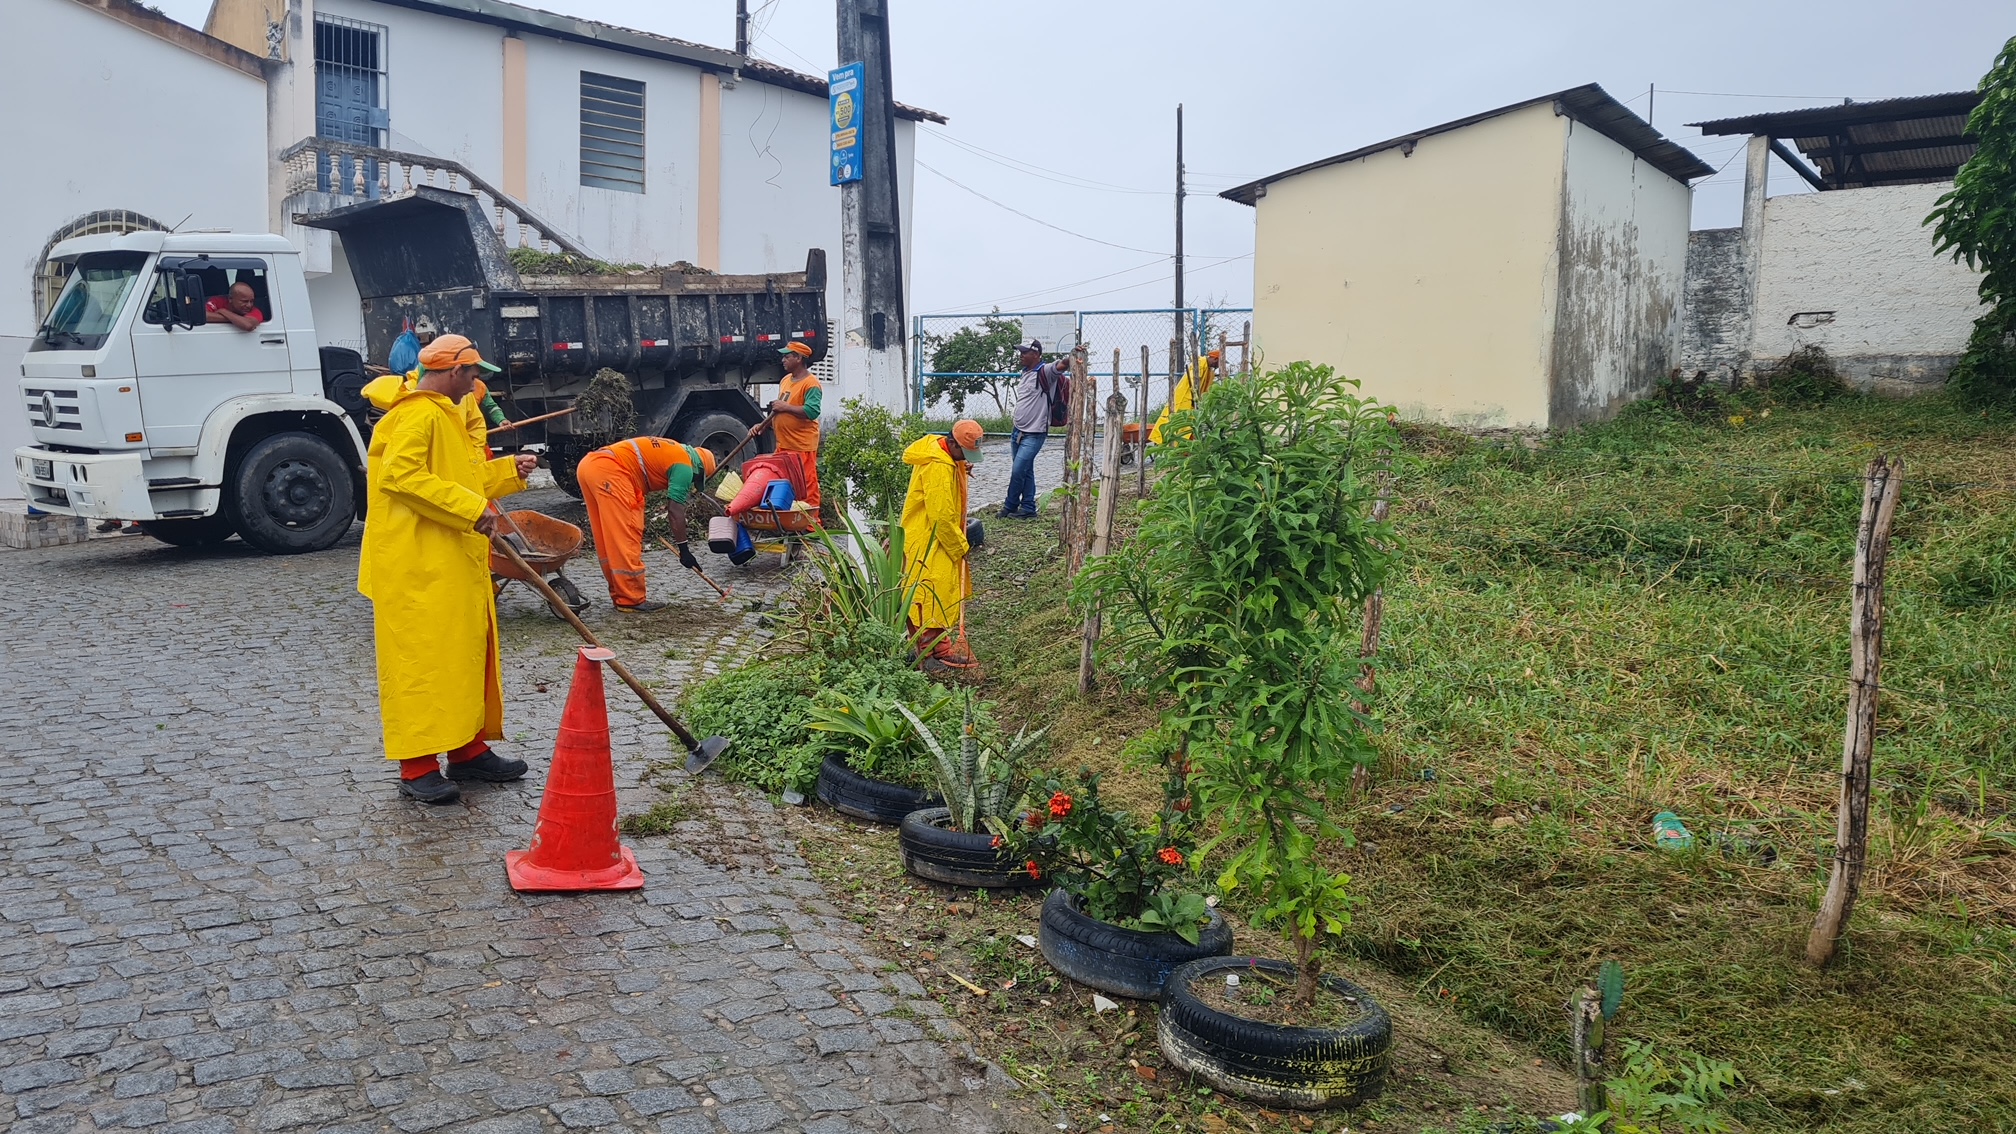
216	914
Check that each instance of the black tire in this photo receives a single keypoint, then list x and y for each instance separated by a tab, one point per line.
931	849
1305	1068
718	431
563	452
204	531
569	593
291	493
1124	962
850	793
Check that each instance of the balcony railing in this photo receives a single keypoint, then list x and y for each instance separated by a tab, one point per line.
368	173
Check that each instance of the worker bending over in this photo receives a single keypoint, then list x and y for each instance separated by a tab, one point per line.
1188	393
425	568
936	540
615	482
795	417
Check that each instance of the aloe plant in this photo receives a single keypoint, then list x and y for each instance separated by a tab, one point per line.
881	742
976	783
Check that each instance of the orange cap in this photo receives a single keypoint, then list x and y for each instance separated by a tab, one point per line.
450	351
966	433
801	349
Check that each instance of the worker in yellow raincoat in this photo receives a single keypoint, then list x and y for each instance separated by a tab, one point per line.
425	568
1188	392
936	539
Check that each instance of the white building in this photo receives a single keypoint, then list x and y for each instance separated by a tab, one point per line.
1851	267
1520	268
630	146
124	119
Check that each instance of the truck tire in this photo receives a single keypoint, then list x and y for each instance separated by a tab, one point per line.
291	493
562	454
203	531
721	432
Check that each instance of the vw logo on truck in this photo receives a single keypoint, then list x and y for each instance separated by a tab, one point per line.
48	410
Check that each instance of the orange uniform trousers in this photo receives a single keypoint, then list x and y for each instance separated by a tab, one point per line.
612	489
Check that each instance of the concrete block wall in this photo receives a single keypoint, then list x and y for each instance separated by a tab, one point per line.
1715	329
19	529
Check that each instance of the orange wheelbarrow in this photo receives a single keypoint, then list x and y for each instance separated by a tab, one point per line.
547	546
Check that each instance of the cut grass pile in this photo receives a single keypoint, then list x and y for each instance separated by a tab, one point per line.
1652	615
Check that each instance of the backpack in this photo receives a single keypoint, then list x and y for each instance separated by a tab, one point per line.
1058	393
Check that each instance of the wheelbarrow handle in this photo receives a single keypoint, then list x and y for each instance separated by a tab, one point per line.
561	608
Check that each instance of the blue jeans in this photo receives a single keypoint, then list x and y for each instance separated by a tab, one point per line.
1022	478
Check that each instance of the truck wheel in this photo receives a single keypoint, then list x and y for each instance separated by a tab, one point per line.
720	432
204	531
291	493
562	454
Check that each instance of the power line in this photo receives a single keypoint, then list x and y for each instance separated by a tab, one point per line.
1031	169
1737	94
1037	220
1155	263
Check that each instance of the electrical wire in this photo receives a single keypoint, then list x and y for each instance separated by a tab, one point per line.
1155	263
1033	170
1027	217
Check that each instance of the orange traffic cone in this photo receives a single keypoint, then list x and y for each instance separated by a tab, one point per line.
574	845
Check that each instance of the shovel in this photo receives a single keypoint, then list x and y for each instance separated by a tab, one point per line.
699	753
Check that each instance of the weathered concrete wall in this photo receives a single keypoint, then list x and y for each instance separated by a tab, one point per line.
1715	328
1622	270
1425	279
1853	271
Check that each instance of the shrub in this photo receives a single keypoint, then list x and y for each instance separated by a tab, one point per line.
861	458
1974	222
1804	377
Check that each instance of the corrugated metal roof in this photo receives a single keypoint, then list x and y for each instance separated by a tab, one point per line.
1590	105
1893	141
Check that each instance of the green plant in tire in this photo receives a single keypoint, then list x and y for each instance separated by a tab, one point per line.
978	782
1240	599
874	733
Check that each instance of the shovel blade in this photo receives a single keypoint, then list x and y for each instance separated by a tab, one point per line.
709	751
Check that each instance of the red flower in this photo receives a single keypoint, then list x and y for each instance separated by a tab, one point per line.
1034	870
1183	804
1170	855
996	844
1033	821
1060	805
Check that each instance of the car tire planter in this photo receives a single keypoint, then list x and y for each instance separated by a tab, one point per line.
1124	962
851	793
931	849
1305	1068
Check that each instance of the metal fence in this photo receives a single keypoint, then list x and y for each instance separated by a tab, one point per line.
1102	333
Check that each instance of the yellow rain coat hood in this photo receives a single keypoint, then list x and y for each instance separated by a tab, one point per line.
387	389
934	533
427	574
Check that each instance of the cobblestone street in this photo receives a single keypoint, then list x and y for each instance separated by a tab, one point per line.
218	914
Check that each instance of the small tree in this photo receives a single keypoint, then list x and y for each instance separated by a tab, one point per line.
1976	222
1240	599
861	458
965	362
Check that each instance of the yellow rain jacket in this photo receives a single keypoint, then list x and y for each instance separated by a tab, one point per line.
427	574
386	389
934	533
1188	391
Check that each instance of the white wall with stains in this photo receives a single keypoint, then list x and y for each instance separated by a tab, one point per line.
1623	267
1854	271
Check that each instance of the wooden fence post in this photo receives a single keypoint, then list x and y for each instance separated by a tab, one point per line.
1141	457
1246	348
1588	1027
1882	484
1073	475
1102	524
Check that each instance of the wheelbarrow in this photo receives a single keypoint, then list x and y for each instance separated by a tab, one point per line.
548	545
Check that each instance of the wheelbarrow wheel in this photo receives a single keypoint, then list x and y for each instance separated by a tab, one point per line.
576	601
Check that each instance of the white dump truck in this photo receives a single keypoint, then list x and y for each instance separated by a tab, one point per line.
142	410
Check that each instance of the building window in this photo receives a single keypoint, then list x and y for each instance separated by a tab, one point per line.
612	133
50	277
350	81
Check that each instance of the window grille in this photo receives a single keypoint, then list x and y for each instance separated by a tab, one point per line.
351	83
612	133
50	278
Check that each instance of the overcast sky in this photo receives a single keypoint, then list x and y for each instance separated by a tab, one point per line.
1065	110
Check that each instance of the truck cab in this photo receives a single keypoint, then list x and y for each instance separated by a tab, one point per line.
143	409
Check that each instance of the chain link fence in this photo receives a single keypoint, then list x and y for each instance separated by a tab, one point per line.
974	354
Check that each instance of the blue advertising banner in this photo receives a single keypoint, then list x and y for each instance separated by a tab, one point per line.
844	88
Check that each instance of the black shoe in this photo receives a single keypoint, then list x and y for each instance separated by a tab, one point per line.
1005	514
489	767
645	607
432	788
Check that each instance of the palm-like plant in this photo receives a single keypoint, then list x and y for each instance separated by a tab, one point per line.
880	741
978	782
859	586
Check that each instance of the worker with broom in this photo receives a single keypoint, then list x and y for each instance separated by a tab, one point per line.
1188	392
936	538
795	417
425	568
616	483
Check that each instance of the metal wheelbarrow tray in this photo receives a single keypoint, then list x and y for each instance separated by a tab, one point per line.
549	544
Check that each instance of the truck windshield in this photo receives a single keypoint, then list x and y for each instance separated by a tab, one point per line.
84	313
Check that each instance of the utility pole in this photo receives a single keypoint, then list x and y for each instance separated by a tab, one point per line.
1178	317
1651	103
741	27
873	349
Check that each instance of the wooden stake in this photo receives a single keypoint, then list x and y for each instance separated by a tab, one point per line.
1141	458
1882	484
1585	1017
1245	348
1102	525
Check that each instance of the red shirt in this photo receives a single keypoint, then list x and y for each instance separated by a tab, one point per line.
223	303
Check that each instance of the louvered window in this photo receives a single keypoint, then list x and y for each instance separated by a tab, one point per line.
612	133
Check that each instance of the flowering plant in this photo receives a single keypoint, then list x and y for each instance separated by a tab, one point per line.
1122	871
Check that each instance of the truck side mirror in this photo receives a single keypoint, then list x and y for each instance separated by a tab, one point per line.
188	302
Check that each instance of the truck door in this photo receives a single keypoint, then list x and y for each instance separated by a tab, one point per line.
185	373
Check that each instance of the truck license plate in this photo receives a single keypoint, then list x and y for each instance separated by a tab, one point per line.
45	470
